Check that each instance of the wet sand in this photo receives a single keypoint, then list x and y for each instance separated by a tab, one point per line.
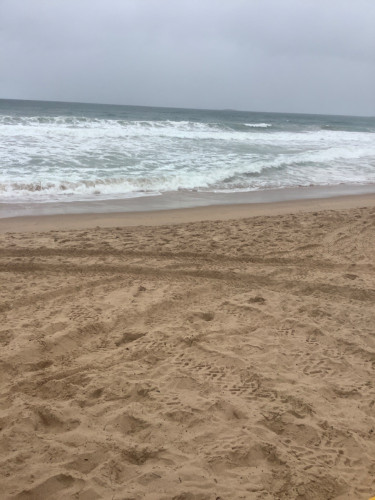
218	352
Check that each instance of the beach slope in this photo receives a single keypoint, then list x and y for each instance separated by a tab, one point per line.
199	360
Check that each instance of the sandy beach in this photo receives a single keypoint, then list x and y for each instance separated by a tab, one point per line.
209	353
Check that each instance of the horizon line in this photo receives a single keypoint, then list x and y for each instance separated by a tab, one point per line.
186	108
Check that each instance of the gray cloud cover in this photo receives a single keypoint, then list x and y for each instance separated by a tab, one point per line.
313	56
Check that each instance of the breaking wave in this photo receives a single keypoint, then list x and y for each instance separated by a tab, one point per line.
62	158
258	125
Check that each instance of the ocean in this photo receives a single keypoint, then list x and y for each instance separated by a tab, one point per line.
59	153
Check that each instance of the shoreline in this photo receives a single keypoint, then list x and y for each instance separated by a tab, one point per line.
72	221
180	199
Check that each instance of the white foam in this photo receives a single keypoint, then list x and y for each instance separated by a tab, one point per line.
67	158
258	125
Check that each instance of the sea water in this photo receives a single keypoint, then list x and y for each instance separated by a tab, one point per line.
71	152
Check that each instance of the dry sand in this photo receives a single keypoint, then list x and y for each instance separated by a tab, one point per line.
199	360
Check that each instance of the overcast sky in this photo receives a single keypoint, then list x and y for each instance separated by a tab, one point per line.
315	56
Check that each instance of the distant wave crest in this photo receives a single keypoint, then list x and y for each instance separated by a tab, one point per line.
258	125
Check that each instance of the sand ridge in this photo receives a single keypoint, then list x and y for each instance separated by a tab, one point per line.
204	360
